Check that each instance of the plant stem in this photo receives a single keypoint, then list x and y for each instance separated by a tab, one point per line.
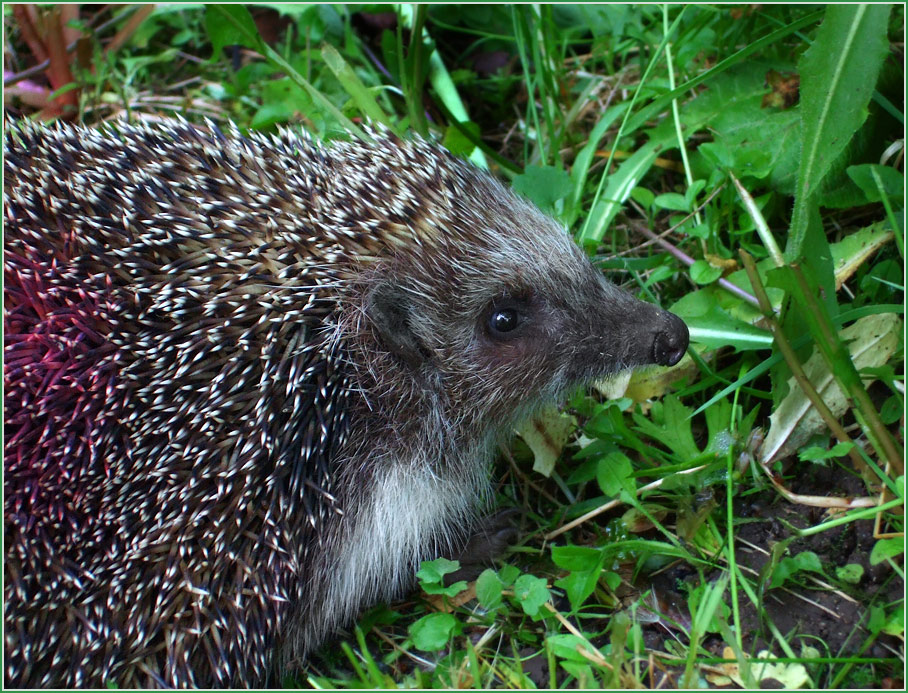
792	360
849	381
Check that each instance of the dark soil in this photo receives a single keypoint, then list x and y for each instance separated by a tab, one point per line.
824	612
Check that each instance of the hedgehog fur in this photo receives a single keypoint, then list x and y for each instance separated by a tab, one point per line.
252	381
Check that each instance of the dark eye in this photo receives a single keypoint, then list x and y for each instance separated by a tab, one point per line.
510	316
503	320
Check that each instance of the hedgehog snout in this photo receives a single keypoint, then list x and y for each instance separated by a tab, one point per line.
632	332
670	341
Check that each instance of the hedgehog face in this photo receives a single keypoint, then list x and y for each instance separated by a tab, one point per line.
527	318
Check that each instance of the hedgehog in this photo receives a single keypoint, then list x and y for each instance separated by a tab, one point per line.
251	381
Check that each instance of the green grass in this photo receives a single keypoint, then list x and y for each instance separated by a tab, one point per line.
707	519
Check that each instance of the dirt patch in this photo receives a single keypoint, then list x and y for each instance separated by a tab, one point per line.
812	609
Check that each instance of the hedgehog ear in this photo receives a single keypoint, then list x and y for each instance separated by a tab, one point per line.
390	311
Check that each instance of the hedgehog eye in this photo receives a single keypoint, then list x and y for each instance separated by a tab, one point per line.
504	320
509	316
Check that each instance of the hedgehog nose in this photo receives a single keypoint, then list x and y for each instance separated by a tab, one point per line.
671	341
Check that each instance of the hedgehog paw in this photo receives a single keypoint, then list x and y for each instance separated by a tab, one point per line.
491	537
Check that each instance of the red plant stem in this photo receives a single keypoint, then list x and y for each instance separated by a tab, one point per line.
688	260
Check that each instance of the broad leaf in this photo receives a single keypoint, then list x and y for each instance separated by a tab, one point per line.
838	75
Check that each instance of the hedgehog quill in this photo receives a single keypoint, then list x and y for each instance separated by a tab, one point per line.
252	381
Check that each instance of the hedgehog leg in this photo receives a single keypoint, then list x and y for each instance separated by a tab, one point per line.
491	537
